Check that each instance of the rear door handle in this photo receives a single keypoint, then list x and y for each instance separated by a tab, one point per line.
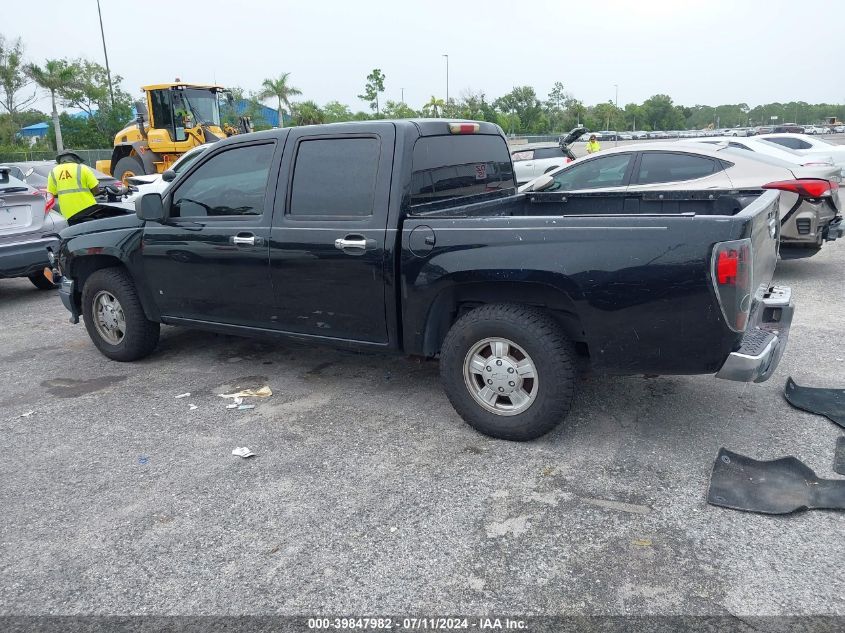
354	244
245	239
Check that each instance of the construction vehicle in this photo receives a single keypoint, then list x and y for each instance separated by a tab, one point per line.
172	119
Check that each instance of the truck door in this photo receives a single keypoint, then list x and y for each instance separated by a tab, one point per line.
328	261
209	260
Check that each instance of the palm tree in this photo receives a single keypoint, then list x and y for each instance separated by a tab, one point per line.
56	75
433	105
281	90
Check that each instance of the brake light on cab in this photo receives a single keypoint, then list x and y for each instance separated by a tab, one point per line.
731	270
807	187
464	128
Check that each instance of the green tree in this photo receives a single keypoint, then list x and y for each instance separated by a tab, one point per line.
307	113
399	110
433	107
337	112
13	79
661	114
89	92
374	85
54	76
523	102
474	105
280	90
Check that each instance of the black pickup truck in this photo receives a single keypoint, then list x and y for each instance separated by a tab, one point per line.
409	236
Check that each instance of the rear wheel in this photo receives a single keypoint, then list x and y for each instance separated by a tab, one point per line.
126	168
114	317
509	371
41	282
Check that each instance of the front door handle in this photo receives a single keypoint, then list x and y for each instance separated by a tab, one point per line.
354	244
245	239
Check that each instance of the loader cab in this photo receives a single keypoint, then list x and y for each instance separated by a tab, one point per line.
177	109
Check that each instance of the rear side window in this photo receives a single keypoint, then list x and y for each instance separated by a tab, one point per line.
335	177
788	141
656	167
548	152
447	169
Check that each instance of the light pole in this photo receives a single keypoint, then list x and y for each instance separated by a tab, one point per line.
447	79
403	94
616	112
106	54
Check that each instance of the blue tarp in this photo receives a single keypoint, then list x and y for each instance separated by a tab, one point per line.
36	130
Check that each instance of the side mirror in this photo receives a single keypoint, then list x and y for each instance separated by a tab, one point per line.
542	183
150	207
168	176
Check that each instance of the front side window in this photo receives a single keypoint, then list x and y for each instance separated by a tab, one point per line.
597	173
526	154
231	183
335	177
658	167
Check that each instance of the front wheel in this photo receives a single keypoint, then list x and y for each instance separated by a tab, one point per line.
114	317
509	371
126	168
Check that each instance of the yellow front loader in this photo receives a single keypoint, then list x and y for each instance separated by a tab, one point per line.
172	119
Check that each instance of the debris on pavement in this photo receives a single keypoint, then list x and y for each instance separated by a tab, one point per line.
182	395
244	407
243	451
827	402
263	392
27	414
192	407
779	486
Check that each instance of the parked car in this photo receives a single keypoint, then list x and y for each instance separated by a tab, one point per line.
788	127
737	131
810	204
839	129
532	161
809	147
763	129
625	136
758	144
639	134
28	225
408	236
812	129
36	174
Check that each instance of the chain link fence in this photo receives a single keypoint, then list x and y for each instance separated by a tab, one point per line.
90	156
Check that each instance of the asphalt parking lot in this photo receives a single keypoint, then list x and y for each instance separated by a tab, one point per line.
368	494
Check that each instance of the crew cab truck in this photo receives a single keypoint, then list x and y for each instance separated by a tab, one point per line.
409	237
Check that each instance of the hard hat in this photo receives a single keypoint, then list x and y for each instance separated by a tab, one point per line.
68	156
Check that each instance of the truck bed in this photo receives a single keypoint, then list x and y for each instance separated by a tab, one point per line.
603	203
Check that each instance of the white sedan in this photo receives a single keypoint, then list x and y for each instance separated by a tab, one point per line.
154	183
759	145
808	146
531	161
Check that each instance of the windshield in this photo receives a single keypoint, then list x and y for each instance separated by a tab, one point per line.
202	104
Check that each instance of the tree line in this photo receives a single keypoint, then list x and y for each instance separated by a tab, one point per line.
82	84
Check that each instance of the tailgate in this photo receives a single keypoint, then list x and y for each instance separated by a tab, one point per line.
763	216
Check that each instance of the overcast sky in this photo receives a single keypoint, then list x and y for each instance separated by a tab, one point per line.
719	51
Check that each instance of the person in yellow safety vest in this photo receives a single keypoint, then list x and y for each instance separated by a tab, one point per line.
593	145
74	185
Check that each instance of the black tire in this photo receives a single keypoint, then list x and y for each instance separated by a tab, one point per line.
141	335
128	164
542	339
41	282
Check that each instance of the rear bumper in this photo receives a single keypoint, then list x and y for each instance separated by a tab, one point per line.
762	345
21	259
66	292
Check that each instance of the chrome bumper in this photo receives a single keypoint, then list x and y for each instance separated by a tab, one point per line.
66	288
762	345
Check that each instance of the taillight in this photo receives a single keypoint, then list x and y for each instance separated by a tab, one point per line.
731	269
49	200
807	187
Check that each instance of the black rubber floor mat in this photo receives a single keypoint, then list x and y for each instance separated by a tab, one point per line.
780	486
839	455
827	402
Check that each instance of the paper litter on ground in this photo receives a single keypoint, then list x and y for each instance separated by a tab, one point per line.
242	451
263	392
182	395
